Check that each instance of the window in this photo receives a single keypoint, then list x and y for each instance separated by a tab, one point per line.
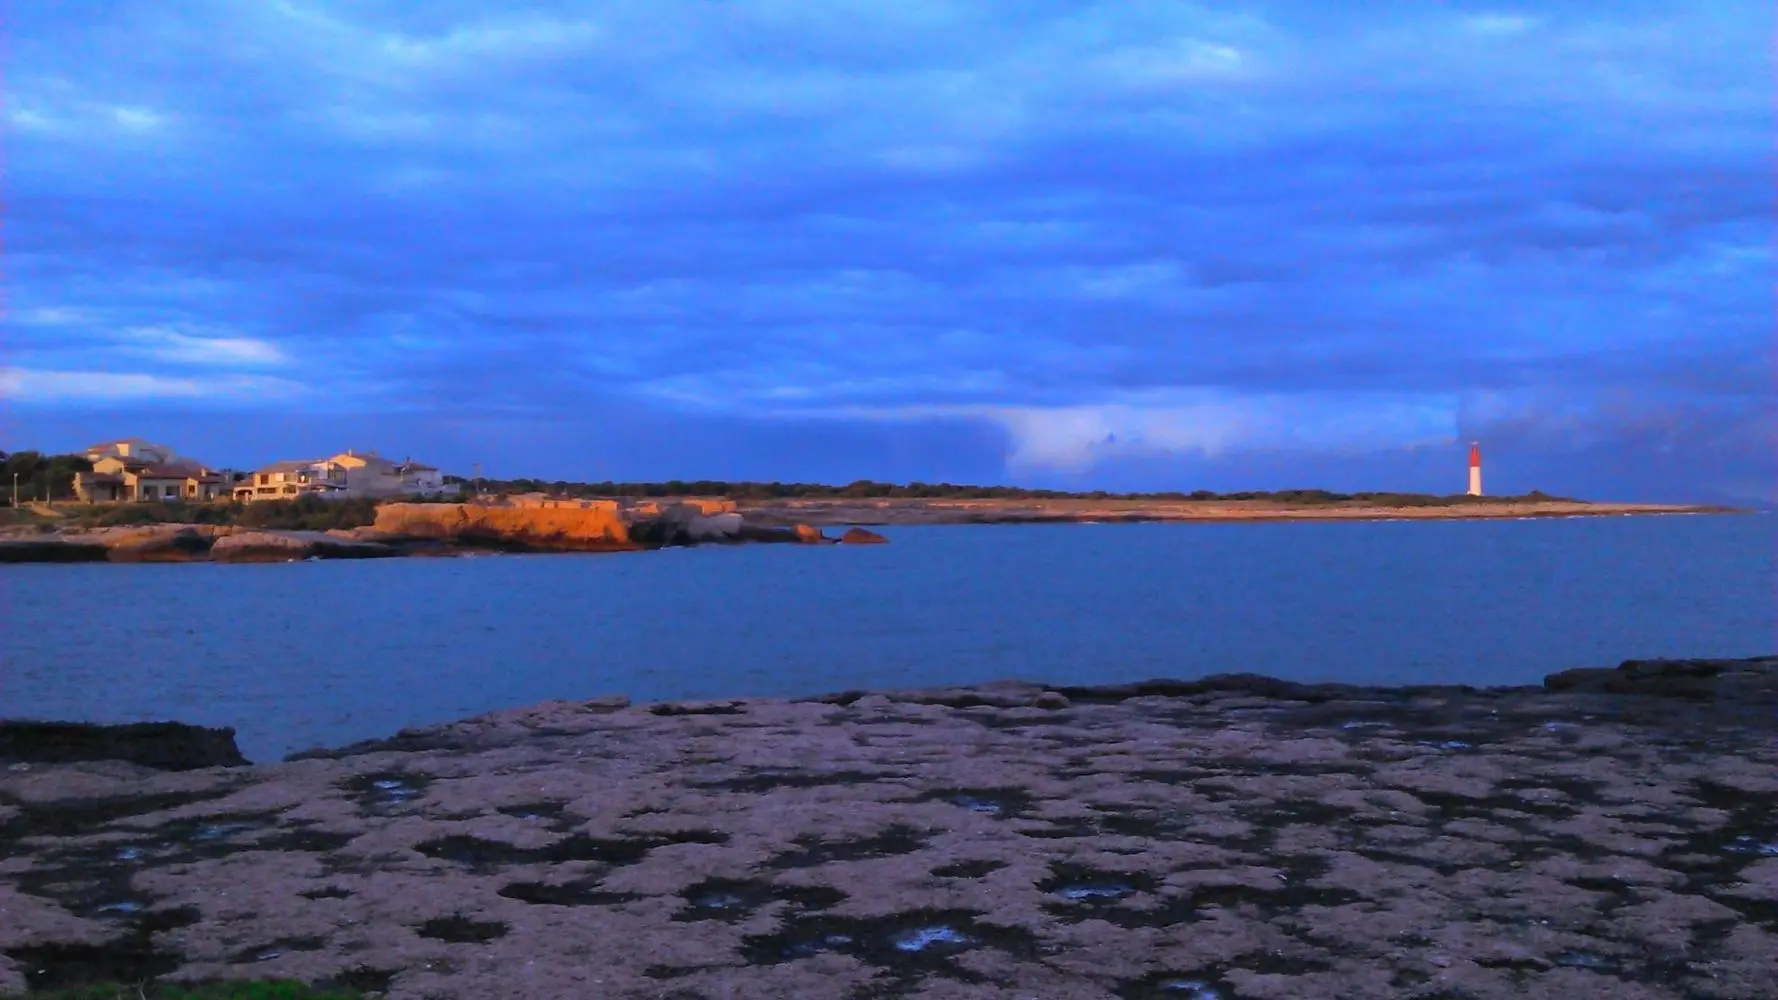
264	479
145	491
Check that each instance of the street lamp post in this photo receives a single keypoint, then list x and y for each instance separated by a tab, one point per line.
15	491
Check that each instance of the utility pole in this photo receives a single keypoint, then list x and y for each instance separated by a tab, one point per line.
15	491
478	483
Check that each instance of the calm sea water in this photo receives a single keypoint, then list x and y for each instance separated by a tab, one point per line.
311	654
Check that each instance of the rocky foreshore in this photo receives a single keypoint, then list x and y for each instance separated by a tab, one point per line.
1609	834
919	510
421	529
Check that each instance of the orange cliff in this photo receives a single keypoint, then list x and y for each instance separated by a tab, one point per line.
548	525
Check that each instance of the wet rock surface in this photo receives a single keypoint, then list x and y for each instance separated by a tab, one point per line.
1228	838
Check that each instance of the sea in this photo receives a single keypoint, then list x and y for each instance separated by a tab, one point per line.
310	654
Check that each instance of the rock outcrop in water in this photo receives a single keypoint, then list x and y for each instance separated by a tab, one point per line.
285	546
166	746
566	526
421	529
1234	837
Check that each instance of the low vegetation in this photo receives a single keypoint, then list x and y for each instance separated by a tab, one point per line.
866	489
301	514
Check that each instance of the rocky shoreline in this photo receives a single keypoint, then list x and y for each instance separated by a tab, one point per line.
430	529
910	511
1611	833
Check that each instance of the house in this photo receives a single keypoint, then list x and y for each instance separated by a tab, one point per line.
136	477
289	480
348	474
135	448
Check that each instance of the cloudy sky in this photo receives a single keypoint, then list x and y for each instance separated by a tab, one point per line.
1125	244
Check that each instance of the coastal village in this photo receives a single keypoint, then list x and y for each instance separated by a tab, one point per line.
132	470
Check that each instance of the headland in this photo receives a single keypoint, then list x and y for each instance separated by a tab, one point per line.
1609	833
896	511
547	523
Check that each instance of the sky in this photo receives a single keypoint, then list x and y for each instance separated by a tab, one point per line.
1126	245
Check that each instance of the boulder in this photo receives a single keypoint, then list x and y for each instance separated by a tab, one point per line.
591	526
862	536
286	546
54	549
723	526
1697	679
168	746
159	543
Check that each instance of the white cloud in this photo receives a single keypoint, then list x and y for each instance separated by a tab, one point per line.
136	119
27	119
183	348
27	385
1498	24
1207	422
531	38
47	316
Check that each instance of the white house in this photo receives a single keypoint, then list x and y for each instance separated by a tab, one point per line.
348	474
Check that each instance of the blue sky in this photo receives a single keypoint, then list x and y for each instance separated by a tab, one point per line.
1130	245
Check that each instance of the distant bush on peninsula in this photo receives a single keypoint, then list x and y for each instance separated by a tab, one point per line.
301	514
866	489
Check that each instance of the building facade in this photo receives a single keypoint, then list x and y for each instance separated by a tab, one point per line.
348	474
117	479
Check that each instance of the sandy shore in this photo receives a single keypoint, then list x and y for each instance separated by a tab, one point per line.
832	511
1232	838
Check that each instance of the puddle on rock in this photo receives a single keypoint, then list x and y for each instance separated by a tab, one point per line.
1177	986
1189	989
120	908
1007	802
907	945
1078	884
1591	961
383	791
210	832
1753	845
737	899
933	937
1094	892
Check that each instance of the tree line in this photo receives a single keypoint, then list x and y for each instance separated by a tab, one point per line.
869	489
40	476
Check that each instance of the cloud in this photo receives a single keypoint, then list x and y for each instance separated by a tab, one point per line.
35	386
1204	423
1103	236
224	351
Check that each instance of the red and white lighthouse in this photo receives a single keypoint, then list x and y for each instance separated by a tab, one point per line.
1475	469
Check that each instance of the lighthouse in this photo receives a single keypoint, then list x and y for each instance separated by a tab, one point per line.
1475	469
